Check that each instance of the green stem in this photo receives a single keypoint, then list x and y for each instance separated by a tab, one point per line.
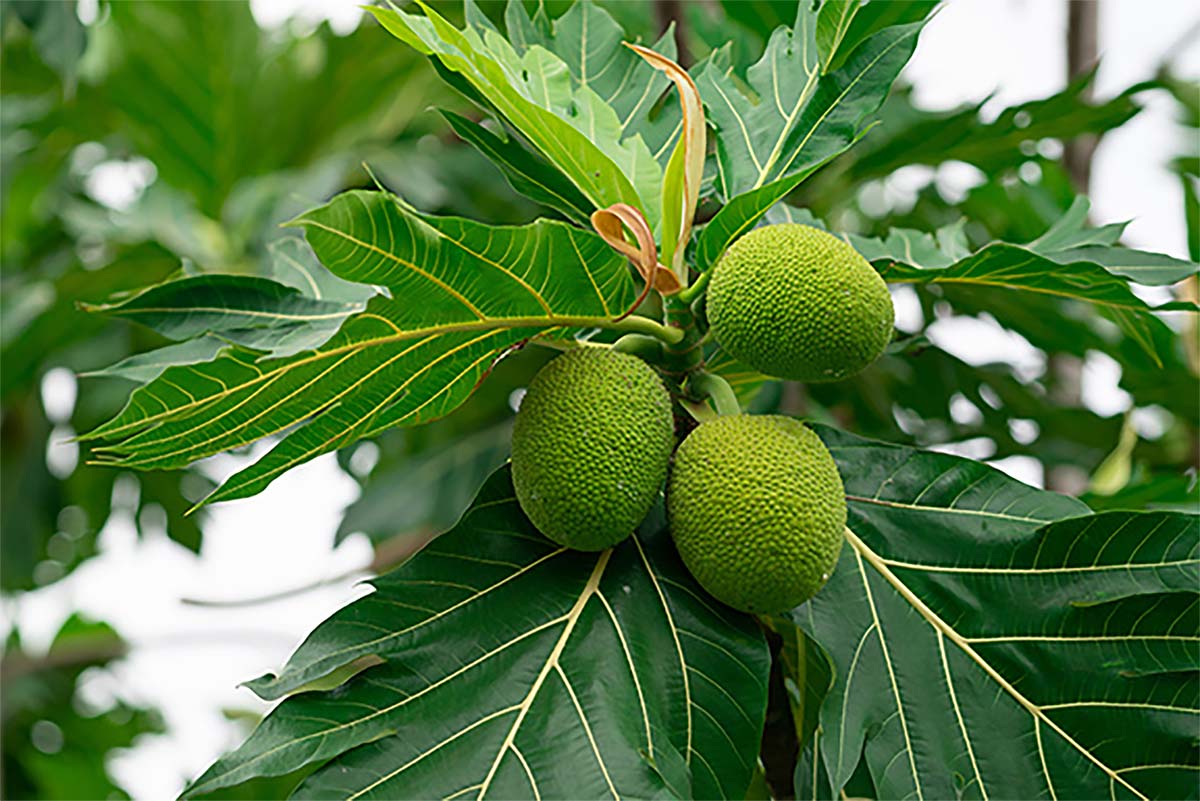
644	325
692	292
712	386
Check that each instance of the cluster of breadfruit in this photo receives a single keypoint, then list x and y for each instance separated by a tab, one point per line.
755	503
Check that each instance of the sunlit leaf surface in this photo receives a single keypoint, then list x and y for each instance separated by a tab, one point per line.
562	113
800	117
406	359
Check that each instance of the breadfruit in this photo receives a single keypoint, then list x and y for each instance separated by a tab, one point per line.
757	511
590	447
795	302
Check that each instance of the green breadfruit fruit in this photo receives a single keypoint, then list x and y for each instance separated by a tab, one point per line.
757	510
795	302
590	447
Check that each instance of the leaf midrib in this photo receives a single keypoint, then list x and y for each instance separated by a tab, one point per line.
552	662
233	312
940	626
549	322
232	487
367	646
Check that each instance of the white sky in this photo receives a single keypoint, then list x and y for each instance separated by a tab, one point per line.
188	660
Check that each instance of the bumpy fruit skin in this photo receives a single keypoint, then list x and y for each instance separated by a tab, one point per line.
590	447
757	510
795	302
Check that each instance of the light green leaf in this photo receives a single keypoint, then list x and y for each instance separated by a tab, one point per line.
800	118
526	172
866	20
1005	266
745	382
1141	266
1018	648
1071	230
145	367
592	45
833	22
212	99
1114	472
460	293
493	638
294	263
738	216
915	136
58	35
1078	273
571	125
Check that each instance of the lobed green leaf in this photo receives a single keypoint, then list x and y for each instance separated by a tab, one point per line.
492	638
1017	647
527	173
252	312
460	294
800	118
566	119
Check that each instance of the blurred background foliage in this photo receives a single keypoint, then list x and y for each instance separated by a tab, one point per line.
166	137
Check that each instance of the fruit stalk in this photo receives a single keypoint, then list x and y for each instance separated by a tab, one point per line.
717	389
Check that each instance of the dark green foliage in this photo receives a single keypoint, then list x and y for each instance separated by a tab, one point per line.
975	637
54	745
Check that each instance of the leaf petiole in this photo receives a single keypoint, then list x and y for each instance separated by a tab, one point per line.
716	389
643	325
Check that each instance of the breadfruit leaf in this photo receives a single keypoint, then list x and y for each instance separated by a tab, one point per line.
914	136
459	294
766	150
252	312
526	172
592	45
419	494
1068	262
992	640
294	263
843	24
800	117
213	99
562	106
746	382
1003	266
534	671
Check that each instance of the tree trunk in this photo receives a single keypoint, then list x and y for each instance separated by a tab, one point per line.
1083	37
666	12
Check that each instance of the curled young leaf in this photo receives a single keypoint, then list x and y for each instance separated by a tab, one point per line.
611	223
685	170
